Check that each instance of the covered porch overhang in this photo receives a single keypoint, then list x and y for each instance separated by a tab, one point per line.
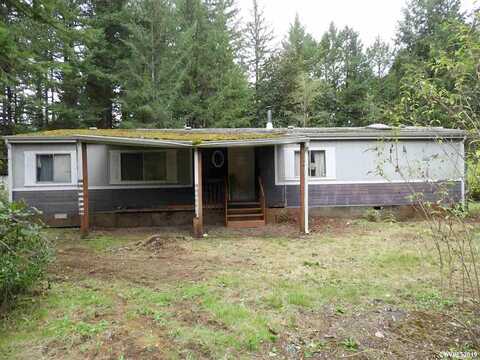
198	148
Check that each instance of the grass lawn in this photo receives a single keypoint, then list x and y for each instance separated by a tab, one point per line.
350	289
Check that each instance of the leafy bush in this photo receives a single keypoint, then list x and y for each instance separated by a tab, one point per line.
24	252
473	176
373	215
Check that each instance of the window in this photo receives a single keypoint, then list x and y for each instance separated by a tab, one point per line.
132	167
53	168
50	168
317	164
155	166
150	166
321	163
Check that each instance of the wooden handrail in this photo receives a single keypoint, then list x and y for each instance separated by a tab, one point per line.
226	201
262	199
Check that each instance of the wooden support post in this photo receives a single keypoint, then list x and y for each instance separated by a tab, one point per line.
84	210
198	220
304	170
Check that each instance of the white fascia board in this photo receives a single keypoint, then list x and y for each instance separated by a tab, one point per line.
99	139
253	142
386	137
42	140
133	141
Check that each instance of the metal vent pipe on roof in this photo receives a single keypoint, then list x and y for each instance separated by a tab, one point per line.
269	119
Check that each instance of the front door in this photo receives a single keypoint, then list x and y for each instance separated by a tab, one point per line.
241	173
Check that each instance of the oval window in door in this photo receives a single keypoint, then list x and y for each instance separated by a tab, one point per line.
218	159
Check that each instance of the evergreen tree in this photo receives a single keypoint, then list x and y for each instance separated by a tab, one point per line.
213	87
421	25
328	63
104	54
165	63
300	46
419	31
146	79
259	38
379	57
291	87
355	75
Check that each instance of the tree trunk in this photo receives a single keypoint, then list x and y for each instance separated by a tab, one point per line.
9	119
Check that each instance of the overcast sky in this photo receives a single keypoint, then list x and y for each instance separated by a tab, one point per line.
369	17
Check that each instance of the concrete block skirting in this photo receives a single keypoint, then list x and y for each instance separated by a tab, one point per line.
282	215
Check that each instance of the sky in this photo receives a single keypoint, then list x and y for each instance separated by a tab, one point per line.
371	18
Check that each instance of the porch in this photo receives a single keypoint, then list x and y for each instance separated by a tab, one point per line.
227	186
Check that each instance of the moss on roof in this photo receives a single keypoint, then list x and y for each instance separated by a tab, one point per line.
194	136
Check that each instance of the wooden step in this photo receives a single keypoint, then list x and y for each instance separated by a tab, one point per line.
245	224
236	216
244	210
242	204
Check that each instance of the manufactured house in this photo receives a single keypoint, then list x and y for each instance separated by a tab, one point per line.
236	177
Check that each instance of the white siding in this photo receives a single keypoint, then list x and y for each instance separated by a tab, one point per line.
360	161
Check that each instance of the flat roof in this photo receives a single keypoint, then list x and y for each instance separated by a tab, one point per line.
233	136
380	131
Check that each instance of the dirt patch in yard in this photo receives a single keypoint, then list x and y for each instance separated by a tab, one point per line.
143	262
380	333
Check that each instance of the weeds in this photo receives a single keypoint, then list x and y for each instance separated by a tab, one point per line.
350	344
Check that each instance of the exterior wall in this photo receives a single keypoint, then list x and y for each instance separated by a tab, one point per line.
265	164
381	194
354	184
59	208
98	168
50	202
59	204
117	199
358	161
18	164
426	164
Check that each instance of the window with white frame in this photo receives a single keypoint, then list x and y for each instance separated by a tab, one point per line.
316	166
321	163
53	168
50	168
147	167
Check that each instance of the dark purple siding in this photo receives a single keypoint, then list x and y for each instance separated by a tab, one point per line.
116	199
384	194
50	202
66	201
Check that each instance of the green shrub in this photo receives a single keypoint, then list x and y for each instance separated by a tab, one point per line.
373	215
24	252
473	176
